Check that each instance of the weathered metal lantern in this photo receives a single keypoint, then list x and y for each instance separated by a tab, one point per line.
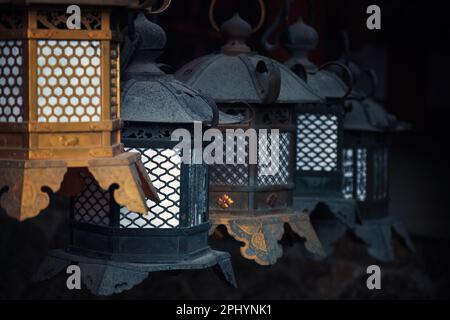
253	206
59	106
319	126
365	157
329	176
320	134
365	169
117	247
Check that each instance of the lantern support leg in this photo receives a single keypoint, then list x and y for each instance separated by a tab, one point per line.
24	180
377	234
341	215
261	234
127	171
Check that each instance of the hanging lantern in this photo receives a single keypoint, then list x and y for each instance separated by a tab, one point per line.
327	184
365	167
319	125
116	247
320	139
59	107
253	205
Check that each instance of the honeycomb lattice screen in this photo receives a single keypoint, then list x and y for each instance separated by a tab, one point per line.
68	81
317	142
11	81
92	205
164	169
236	174
264	157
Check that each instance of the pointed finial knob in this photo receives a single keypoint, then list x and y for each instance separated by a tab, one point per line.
236	30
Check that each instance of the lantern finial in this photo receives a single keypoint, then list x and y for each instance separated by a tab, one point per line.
153	37
301	39
236	30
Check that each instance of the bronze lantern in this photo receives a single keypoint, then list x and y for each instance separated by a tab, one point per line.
59	106
253	206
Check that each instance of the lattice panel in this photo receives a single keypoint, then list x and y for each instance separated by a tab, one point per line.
198	194
265	151
164	169
361	174
347	170
236	174
11	81
317	142
92	206
68	81
380	175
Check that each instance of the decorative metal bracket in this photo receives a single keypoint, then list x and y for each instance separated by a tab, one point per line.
261	235
25	180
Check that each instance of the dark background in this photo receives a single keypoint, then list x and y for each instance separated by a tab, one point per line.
410	56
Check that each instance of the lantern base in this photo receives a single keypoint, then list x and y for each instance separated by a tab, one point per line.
261	233
377	235
140	245
23	180
105	277
337	216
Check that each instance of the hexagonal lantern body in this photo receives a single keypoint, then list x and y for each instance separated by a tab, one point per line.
59	106
365	157
319	125
174	233
252	204
365	168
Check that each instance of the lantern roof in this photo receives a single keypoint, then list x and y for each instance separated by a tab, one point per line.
150	95
369	115
301	38
238	75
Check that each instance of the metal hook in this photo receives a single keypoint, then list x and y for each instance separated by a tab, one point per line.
280	20
374	83
148	4
216	27
166	4
347	71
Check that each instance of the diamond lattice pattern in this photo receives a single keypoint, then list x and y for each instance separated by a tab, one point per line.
266	149
164	169
92	205
317	142
236	173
